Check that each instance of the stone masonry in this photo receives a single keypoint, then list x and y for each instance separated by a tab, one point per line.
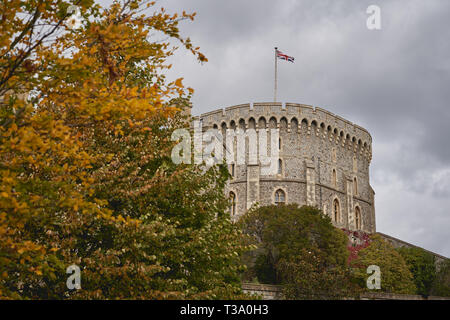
323	161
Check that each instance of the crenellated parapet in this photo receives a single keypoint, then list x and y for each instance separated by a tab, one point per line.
293	117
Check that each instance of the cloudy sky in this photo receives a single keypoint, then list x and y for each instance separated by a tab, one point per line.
395	82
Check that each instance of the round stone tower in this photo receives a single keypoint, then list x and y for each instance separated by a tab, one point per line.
323	161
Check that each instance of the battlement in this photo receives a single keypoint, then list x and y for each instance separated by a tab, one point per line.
293	116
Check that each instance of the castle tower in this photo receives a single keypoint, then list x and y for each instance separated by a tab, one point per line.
323	161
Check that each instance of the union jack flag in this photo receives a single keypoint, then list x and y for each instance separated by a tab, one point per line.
282	56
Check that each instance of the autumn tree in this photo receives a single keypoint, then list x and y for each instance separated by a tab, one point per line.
441	284
86	117
395	274
42	162
422	265
299	248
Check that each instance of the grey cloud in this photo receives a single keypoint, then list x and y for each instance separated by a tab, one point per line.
394	82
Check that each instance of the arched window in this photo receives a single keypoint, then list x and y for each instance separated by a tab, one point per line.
358	218
294	125
355	186
273	123
280	166
252	123
280	197
304	126
334	178
262	123
242	124
336	211
232	203
283	124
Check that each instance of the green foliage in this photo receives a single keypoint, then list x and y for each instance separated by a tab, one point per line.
307	275
200	247
441	285
422	266
301	249
395	274
264	270
86	176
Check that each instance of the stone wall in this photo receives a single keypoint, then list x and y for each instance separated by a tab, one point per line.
397	243
265	291
272	292
314	143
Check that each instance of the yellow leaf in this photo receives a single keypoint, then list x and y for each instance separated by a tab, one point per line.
179	82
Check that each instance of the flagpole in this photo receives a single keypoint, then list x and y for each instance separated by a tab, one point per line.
275	89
